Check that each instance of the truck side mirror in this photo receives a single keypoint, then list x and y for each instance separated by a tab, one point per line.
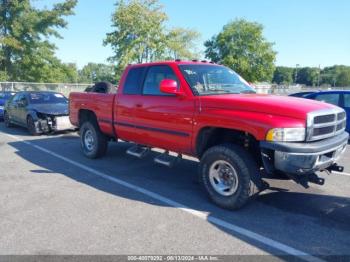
169	86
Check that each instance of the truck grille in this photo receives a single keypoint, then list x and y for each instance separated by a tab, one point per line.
325	123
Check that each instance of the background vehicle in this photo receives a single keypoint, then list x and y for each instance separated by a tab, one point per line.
40	112
340	98
210	112
302	94
4	96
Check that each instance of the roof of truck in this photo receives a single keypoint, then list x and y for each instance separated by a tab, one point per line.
176	62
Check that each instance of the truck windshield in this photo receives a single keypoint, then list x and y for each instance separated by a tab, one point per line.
213	80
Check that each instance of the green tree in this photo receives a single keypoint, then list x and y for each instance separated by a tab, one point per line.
25	51
283	75
180	43
308	76
343	79
97	72
242	47
140	35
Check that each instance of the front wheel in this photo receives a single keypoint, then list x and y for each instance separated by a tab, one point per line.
31	126
93	142
229	175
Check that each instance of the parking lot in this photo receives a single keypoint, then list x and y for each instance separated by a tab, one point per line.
55	201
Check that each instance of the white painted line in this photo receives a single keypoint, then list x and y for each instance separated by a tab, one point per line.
202	215
341	173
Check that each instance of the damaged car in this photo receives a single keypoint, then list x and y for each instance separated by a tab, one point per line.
40	112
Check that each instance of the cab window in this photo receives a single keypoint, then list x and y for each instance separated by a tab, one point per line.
133	82
153	78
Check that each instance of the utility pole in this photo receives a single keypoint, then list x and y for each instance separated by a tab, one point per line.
296	73
319	75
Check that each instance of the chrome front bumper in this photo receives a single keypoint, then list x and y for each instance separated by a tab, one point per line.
306	158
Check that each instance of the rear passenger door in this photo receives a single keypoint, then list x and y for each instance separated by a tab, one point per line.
125	106
12	107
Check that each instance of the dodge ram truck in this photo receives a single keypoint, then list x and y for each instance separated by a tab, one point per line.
208	111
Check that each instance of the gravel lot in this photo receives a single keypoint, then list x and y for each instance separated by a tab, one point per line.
55	201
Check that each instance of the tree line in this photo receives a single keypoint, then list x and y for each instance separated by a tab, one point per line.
140	34
333	76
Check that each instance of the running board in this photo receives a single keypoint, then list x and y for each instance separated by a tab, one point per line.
167	160
138	151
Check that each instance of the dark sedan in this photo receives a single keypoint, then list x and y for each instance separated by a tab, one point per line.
4	96
40	112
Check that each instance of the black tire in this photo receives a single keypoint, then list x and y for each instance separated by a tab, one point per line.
7	120
248	180
90	130
31	126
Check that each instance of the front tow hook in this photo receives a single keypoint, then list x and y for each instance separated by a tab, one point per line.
335	168
313	178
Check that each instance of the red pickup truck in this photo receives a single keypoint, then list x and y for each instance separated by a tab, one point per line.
208	111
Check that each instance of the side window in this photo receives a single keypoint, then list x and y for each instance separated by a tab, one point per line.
23	100
154	76
328	98
15	99
346	100
133	82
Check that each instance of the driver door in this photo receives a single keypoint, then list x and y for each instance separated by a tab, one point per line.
163	120
22	109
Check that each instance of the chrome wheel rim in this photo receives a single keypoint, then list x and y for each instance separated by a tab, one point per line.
223	178
89	141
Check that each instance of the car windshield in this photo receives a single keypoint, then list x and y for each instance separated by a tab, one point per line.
6	95
213	80
47	98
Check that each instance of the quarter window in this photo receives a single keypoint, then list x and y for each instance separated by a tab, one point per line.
328	98
133	82
154	76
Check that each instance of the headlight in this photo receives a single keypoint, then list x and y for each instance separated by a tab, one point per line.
286	134
1	107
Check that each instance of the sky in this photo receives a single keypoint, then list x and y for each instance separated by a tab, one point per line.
305	32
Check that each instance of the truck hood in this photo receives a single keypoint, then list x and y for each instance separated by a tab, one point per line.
50	109
268	104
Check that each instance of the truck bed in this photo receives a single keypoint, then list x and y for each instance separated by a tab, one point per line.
100	104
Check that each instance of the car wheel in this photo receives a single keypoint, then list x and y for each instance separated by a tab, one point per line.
93	142
7	120
229	175
31	126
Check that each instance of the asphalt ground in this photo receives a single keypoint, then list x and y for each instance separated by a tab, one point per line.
54	201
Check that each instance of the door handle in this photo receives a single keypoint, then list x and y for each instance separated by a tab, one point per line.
138	105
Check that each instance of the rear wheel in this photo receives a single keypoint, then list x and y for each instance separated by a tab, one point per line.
7	120
93	142
229	175
31	126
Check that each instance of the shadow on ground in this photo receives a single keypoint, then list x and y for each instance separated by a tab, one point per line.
276	214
